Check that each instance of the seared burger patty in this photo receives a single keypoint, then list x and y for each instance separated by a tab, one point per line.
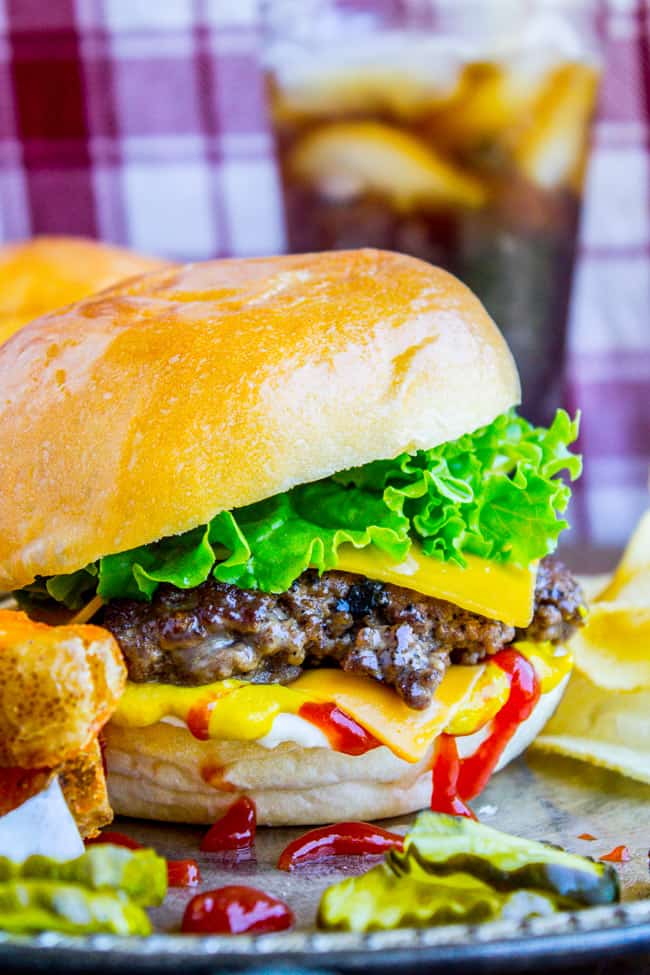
394	635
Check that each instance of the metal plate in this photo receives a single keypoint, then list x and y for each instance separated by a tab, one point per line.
551	799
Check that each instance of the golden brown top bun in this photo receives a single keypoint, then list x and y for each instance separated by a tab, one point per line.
144	411
59	685
39	275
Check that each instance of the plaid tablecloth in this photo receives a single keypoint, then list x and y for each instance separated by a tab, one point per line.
143	122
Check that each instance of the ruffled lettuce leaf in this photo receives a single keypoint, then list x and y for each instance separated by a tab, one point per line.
73	589
263	546
492	493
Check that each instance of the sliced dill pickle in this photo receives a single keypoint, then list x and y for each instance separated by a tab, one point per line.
381	901
141	874
440	846
35	905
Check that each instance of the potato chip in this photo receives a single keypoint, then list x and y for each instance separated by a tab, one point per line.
632	577
613	649
593	585
604	717
609	730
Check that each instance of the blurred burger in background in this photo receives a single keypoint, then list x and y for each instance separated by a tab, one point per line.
297	493
44	273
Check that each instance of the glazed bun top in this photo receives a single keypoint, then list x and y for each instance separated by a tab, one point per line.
144	411
39	275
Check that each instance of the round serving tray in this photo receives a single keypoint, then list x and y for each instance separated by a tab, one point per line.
551	799
541	943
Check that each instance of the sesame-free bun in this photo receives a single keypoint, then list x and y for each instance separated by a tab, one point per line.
162	772
44	273
144	411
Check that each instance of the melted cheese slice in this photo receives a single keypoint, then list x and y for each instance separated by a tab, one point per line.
245	712
500	592
552	663
465	701
380	711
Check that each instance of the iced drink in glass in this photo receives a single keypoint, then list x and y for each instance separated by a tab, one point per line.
454	131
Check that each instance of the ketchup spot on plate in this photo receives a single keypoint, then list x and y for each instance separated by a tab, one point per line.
235	830
183	873
620	854
236	910
342	839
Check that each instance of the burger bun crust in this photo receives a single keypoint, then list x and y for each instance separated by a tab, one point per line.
162	772
146	410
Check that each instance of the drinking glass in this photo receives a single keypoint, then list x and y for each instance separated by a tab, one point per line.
453	130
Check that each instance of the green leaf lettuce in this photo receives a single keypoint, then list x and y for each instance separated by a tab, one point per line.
493	493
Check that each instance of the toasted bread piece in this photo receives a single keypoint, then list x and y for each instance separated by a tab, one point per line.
58	687
83	783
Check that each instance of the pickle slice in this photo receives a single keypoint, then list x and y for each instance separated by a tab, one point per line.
140	874
35	905
454	870
382	901
440	846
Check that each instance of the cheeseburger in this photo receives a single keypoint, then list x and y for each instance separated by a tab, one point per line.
297	492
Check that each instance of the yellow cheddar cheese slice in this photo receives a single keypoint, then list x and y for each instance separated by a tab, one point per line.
552	663
467	698
380	711
498	591
245	712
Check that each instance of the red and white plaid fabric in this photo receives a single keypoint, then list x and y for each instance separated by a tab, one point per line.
144	123
609	339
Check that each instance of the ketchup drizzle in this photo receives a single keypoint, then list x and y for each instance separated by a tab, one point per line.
342	731
235	830
445	773
455	781
183	873
342	839
198	718
524	695
620	854
235	910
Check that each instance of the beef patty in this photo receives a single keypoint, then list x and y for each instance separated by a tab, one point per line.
394	635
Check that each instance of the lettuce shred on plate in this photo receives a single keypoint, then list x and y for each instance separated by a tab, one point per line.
493	493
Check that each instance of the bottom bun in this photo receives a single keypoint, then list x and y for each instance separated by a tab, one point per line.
162	772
